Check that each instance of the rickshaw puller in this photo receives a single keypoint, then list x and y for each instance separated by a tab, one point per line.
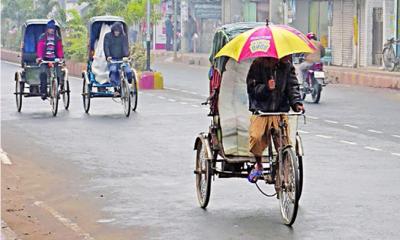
49	47
116	47
272	86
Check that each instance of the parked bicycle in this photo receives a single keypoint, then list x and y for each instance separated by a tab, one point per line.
390	60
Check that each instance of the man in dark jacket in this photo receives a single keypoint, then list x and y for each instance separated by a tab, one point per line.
49	47
272	86
116	47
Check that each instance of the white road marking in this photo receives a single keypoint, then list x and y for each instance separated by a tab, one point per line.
183	103
106	220
396	136
311	117
348	142
195	105
150	94
205	96
161	97
172	100
351	126
330	121
372	148
185	91
324	136
396	154
173	89
4	157
302	131
374	131
206	108
67	222
194	93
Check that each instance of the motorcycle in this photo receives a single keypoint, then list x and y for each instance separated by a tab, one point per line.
314	81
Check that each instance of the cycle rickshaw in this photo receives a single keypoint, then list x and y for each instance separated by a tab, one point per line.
27	80
95	78
223	151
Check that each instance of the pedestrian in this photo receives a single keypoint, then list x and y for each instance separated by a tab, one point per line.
191	32
49	47
272	86
169	31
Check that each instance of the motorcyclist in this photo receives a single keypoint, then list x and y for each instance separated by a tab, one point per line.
311	58
116	47
272	86
49	47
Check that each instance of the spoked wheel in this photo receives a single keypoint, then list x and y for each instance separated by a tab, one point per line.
289	189
19	90
389	58
316	92
65	91
126	97
86	93
203	175
134	95
54	96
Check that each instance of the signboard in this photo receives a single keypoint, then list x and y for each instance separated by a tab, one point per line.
207	10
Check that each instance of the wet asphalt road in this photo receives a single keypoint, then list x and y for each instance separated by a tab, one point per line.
144	164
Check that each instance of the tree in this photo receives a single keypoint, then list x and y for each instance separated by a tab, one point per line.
76	37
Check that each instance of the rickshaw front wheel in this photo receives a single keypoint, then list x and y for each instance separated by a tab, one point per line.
203	175
126	97
289	190
54	96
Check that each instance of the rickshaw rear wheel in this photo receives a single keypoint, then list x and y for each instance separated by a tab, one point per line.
85	93
289	189
66	93
54	96
203	175
134	95
300	166
19	89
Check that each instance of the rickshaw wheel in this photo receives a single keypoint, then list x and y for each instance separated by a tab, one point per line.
203	175
289	189
54	96
19	89
126	97
66	93
300	166
134	95
85	93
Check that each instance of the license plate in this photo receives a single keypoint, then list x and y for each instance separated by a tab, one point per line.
319	74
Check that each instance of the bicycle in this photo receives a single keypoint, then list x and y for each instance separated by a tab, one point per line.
390	61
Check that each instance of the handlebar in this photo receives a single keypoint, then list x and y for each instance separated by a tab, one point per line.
259	113
57	60
127	60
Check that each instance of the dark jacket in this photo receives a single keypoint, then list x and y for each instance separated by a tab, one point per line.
285	95
116	47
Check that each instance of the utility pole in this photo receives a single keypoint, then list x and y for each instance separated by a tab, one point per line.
175	27
148	38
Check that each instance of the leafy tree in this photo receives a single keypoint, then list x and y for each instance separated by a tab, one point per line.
76	37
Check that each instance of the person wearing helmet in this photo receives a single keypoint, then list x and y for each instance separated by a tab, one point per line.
116	47
49	47
311	58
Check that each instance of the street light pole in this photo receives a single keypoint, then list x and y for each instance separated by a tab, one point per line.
175	26
148	37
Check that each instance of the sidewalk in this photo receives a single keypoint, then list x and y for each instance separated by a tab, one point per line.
368	76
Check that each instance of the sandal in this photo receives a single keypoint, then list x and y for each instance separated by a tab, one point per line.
254	175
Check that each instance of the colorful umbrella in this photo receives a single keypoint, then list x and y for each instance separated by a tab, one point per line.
274	41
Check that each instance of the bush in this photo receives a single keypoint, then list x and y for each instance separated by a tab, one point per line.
138	55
